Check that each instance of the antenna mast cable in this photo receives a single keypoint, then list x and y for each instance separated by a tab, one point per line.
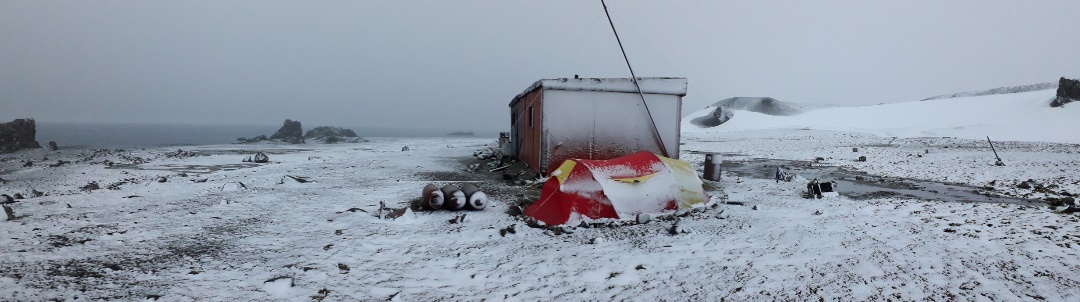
663	147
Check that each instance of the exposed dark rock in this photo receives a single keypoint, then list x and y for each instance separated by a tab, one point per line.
90	187
4	198
1024	185
52	146
184	154
290	132
17	135
28	164
1068	91
1070	209
326	131
253	139
19	196
764	105
719	116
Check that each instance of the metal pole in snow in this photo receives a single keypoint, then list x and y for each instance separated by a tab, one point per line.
999	162
663	147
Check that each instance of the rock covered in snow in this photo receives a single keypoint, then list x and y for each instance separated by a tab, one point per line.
643	218
233	186
9	213
261	158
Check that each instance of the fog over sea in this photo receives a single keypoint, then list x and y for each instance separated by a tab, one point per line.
122	135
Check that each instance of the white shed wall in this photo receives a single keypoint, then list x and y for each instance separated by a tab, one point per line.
593	124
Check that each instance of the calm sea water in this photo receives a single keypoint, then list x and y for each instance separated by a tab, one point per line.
111	135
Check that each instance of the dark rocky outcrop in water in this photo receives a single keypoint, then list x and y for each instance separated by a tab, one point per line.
17	135
1068	91
326	131
253	139
290	132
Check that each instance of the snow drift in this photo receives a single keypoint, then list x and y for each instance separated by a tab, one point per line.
1023	116
999	90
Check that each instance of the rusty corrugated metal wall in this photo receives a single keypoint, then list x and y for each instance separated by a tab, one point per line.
528	128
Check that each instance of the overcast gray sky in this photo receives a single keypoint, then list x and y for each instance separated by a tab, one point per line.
457	64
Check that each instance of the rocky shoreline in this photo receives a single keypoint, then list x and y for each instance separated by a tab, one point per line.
292	132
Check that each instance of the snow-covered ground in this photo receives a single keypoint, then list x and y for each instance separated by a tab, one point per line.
1024	116
184	240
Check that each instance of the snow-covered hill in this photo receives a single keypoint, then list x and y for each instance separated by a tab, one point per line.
767	105
722	111
1023	116
999	90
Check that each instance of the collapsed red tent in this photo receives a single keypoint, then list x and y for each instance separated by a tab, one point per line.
582	189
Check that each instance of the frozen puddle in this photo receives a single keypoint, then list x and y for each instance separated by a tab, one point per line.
859	185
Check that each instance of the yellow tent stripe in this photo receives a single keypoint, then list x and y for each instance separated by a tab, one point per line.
631	180
690	191
564	170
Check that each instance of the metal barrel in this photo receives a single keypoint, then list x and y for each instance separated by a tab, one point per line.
712	167
476	199
453	198
432	198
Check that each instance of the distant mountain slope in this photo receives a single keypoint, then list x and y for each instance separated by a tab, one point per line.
999	90
722	111
1014	116
767	105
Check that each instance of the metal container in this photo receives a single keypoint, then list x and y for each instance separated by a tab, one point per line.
432	197
476	200
453	198
712	167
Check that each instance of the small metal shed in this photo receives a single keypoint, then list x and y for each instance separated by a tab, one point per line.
595	118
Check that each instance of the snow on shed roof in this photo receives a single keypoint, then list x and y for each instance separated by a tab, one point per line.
663	85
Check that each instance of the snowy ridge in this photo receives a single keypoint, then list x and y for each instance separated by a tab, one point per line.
999	90
1016	116
767	105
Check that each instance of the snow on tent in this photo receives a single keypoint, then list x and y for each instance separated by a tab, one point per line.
619	188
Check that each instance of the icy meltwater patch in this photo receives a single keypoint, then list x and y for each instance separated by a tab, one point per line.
859	185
